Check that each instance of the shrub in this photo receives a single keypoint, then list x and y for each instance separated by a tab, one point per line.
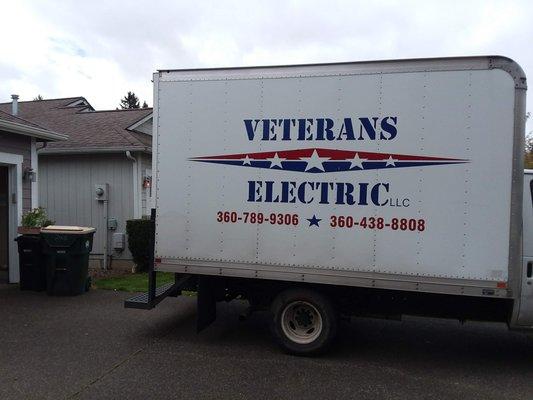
36	218
139	232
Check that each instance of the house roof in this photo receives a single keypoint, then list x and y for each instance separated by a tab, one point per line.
12	118
17	125
88	130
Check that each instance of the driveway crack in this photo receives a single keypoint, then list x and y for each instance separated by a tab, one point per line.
107	372
116	366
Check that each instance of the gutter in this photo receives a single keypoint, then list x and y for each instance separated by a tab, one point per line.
40	133
93	150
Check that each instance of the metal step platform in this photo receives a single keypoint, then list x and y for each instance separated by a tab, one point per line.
146	302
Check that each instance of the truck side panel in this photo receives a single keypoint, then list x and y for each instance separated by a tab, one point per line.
416	165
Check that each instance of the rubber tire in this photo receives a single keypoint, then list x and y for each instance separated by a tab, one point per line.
324	307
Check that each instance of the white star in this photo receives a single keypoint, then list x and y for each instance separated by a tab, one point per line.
315	161
275	161
390	161
246	160
357	162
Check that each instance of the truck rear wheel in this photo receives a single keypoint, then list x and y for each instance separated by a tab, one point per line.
304	321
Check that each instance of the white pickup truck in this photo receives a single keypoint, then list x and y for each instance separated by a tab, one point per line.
369	188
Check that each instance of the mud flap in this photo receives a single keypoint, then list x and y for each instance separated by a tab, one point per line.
206	300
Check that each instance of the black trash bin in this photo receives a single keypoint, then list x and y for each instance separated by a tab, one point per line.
32	268
66	252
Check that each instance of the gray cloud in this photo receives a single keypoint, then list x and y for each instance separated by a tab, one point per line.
117	45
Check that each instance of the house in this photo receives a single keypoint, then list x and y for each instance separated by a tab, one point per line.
103	147
19	139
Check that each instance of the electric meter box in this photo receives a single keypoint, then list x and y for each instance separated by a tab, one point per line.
101	190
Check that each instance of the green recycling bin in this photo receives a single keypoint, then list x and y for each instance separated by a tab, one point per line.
66	251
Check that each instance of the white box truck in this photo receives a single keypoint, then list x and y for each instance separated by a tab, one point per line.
368	188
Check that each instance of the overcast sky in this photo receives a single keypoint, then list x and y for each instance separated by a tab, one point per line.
102	49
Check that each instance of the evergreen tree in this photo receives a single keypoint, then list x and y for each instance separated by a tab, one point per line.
38	98
145	104
129	101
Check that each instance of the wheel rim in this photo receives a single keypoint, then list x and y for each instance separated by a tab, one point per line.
301	322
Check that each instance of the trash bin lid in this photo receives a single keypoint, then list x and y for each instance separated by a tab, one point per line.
72	230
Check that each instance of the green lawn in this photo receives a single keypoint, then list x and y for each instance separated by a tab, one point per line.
132	282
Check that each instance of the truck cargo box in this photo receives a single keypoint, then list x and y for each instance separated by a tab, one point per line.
399	174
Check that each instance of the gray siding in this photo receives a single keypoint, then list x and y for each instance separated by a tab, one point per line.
66	190
19	144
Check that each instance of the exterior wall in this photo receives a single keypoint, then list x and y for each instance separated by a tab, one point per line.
19	144
66	190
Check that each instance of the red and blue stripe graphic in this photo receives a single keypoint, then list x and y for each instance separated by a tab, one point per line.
318	160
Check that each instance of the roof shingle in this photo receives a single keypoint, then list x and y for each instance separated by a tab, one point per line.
11	118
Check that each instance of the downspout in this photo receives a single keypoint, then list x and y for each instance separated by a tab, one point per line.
130	157
106	242
135	182
136	194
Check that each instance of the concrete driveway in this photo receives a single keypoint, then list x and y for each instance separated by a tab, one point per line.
90	347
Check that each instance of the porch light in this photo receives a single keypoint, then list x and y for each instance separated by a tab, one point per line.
29	175
147	182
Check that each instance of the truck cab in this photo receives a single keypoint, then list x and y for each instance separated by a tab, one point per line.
525	314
